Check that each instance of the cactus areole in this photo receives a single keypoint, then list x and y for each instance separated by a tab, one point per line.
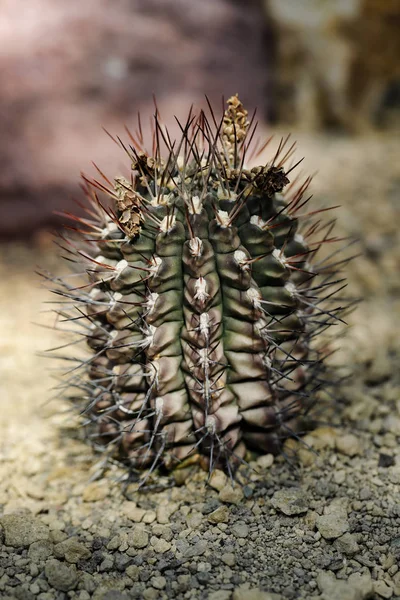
204	299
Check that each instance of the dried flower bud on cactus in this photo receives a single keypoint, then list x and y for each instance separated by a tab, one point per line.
204	299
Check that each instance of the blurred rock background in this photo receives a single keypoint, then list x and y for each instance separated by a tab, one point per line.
337	62
70	68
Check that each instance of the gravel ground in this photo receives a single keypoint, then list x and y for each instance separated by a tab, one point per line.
327	529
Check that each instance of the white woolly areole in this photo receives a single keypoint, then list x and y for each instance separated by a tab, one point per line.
159	405
195	205
279	256
204	324
201	290
110	228
211	424
167	223
255	297
155	264
151	301
149	336
203	357
196	246
224	194
257	221
223	218
153	370
162	200
242	259
299	238
261	327
114	299
291	288
309	267
119	267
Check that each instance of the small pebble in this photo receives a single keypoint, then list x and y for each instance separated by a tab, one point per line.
219	515
138	537
61	576
95	491
349	444
231	494
290	501
23	530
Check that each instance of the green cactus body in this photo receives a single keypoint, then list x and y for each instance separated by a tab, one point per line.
200	310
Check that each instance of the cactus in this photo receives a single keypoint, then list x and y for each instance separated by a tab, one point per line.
204	300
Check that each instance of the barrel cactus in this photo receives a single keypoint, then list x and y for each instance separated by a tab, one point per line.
203	302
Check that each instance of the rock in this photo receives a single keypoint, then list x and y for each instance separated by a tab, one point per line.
23	530
182	475
228	558
114	595
40	550
220	595
290	501
321	438
380	370
158	582
218	480
357	587
71	550
219	515
194	519
198	549
334	589
151	594
138	537
231	494
95	491
392	424
394	474
61	576
347	544
339	476
331	526
133	572
386	460
159	545
334	522
382	589
114	543
164	512
310	519
349	444
149	517
111	584
240	529
163	531
361	582
266	461
244	593
132	512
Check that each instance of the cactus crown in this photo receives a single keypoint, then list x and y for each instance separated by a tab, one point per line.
204	300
